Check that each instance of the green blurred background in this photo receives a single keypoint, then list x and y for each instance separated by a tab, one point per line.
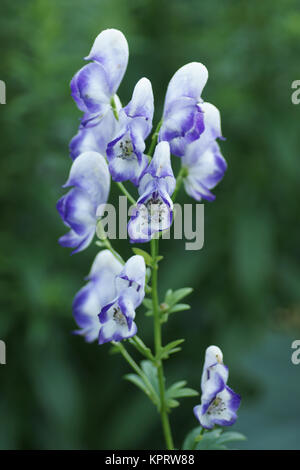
56	391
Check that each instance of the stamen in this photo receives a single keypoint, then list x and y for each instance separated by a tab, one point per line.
126	150
119	317
217	406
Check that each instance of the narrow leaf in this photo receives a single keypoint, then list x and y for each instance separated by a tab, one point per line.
179	308
144	254
136	380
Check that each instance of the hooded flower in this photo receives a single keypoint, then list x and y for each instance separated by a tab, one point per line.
125	152
114	290
183	115
98	292
90	181
154	210
95	84
95	137
219	403
117	317
204	163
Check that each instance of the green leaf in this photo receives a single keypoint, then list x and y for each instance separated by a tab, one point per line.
231	436
147	257
185	392
148	303
178	390
166	350
141	347
151	373
172	351
114	350
172	403
173	298
179	308
189	441
136	380
149	313
210	440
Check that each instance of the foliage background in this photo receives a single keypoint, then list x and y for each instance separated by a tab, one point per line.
58	392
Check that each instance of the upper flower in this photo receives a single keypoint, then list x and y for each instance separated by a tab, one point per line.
203	160
183	115
154	210
90	179
95	84
125	152
219	403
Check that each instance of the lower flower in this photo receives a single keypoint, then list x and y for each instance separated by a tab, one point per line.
219	403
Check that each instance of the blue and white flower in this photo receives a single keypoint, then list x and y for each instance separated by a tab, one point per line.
183	115
95	84
115	290
90	181
99	291
205	166
117	317
95	137
219	403
94	87
154	209
125	152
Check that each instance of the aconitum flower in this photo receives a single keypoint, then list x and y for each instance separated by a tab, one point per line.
117	317
219	403
94	86
183	115
205	166
94	89
125	152
154	209
95	137
98	292
90	179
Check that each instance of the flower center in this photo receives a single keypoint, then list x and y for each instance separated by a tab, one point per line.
217	406
119	317
126	150
155	210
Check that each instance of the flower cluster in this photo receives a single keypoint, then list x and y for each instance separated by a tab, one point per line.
219	403
111	143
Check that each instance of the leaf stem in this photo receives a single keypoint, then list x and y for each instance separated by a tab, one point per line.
126	193
157	344
137	369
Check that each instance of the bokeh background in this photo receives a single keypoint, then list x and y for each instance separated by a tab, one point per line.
56	391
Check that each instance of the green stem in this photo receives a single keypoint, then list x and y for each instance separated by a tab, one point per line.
157	344
154	139
127	194
114	108
108	245
179	180
137	369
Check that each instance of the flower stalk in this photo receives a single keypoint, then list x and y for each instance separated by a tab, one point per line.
157	345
